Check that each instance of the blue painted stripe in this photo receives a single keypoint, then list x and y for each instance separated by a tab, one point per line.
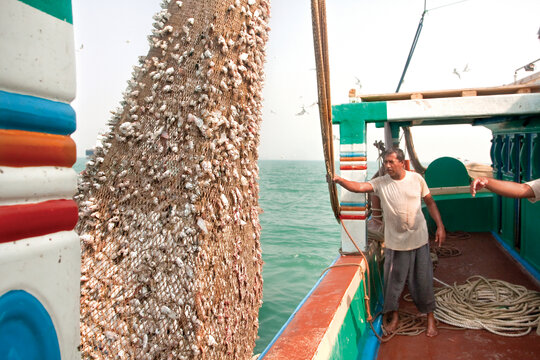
371	347
534	273
27	328
352	204
351	154
29	113
296	310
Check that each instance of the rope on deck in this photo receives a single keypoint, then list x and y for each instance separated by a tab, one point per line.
497	306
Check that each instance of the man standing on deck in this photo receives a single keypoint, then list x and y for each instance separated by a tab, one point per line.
529	190
407	257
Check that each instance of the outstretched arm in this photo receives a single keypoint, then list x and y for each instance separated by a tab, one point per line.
501	187
440	235
358	187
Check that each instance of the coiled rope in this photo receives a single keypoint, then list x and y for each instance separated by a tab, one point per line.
320	42
494	305
497	306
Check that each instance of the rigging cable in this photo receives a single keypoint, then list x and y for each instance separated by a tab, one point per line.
413	47
408	136
320	42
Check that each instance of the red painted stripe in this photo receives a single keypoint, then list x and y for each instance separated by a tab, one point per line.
352	217
23	221
359	158
25	148
353	167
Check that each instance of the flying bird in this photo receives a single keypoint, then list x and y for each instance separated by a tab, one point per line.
457	73
302	112
358	83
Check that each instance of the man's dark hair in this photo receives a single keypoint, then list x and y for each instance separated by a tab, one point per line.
400	155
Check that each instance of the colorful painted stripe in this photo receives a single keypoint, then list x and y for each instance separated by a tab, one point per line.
29	113
36	184
353	204
354	163
353	167
356	158
352	217
23	221
24	148
347	154
49	267
353	212
353	208
38	49
31	331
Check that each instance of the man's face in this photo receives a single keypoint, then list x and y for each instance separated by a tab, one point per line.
392	165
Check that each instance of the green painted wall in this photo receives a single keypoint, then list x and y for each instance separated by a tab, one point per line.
447	171
60	9
530	233
462	212
355	329
508	216
352	119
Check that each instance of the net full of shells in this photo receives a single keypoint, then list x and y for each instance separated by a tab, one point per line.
169	212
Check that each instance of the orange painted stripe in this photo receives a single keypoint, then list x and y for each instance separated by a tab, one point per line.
301	339
353	208
360	158
353	167
25	148
24	221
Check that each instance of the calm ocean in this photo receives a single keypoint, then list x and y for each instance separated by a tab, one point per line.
300	236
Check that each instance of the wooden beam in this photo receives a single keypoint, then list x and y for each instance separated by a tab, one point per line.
499	90
469	93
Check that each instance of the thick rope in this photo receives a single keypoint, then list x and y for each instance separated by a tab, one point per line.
445	251
458	235
320	42
494	305
409	144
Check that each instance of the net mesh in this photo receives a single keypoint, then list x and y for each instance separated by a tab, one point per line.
169	213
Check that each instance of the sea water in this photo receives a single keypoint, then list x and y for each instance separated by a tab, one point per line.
300	236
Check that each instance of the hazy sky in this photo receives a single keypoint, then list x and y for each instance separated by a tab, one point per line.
368	44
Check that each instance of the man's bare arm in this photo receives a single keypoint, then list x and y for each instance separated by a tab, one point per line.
440	235
354	186
501	187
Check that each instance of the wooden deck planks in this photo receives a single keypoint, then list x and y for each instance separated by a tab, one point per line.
482	255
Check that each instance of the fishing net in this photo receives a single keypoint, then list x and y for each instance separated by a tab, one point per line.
169	224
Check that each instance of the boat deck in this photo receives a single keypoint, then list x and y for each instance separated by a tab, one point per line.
494	263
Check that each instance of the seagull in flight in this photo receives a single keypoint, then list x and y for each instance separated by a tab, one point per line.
302	112
358	83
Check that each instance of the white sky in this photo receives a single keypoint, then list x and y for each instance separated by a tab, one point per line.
369	40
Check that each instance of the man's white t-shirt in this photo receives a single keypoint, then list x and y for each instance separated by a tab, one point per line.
535	185
405	227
